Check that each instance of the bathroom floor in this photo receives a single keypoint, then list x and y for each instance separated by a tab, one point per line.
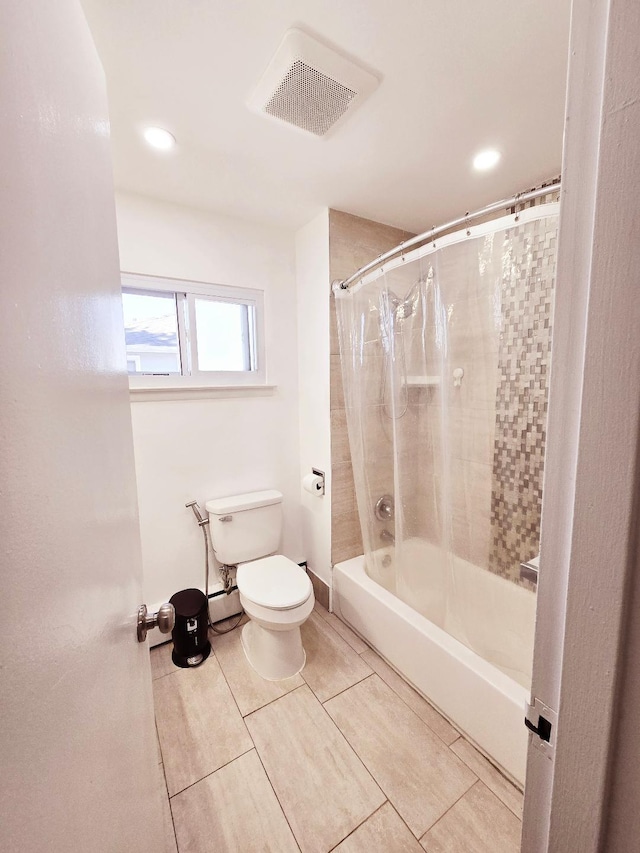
344	757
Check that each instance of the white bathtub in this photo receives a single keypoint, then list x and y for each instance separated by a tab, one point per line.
481	699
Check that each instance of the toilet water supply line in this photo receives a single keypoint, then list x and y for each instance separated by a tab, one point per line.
203	524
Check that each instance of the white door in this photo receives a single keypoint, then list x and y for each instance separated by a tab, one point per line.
586	798
78	760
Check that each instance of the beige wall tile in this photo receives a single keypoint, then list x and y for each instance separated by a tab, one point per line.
343	258
340	451
234	809
470	540
359	232
196	738
419	774
477	823
346	537
472	433
321	590
353	241
472	328
492	778
323	788
471	490
410	697
332	664
335	376
334	338
343	495
250	690
384	831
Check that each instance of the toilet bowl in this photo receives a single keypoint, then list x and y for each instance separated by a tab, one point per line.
277	596
276	593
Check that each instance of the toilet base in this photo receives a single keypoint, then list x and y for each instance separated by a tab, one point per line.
274	655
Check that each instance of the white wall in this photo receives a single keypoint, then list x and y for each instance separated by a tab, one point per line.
312	276
201	449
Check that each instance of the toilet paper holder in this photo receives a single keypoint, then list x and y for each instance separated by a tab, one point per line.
320	474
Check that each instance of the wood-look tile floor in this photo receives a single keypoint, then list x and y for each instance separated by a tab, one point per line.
346	757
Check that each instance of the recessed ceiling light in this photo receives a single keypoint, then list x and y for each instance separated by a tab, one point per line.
486	159
159	138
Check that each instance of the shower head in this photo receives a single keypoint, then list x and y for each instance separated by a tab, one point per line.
401	309
404	310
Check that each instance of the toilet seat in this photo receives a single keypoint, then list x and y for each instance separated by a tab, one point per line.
275	583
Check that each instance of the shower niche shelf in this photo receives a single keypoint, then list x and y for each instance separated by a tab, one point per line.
422	381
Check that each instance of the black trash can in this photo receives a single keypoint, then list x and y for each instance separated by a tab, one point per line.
191	645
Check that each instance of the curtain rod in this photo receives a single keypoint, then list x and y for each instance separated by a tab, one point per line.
515	201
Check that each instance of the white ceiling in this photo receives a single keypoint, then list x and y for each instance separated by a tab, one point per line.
457	76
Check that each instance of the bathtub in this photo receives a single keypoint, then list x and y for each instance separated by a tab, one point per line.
484	700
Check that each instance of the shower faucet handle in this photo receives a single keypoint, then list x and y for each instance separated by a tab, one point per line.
384	508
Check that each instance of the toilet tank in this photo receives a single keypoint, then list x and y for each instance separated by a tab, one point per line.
245	527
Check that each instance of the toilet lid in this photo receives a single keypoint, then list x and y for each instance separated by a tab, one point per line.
275	582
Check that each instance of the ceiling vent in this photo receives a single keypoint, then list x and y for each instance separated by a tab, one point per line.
309	85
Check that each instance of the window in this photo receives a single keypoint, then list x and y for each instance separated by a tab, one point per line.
187	334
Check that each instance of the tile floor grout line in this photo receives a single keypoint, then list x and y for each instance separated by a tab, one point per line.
241	717
343	736
277	699
400	818
379	784
461	735
355	683
206	775
411	687
173	823
270	702
373	672
433	731
164	675
320	613
233	696
345	688
490	762
275	794
337	633
347	743
429	828
502	776
356	828
155	726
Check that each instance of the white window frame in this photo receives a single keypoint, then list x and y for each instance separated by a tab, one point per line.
192	378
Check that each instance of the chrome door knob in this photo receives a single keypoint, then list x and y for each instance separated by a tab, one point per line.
164	620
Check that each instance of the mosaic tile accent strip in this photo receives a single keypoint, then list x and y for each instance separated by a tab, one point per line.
522	397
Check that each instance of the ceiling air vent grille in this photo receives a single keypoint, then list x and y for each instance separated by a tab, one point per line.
309	99
309	85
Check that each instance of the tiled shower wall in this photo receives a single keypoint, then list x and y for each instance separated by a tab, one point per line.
353	242
496	419
521	405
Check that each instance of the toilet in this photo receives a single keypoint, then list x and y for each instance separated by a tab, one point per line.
275	592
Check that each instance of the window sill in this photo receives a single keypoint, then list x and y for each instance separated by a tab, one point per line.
198	392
